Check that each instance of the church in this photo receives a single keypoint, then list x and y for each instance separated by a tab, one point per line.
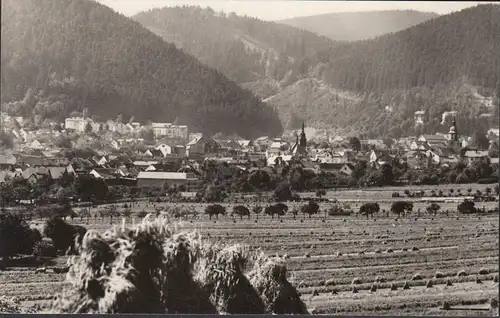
300	146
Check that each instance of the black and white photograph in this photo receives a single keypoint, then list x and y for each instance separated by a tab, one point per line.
227	157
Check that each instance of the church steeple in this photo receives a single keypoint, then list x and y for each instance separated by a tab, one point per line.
454	138
303	141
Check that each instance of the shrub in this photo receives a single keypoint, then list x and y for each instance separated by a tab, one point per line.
493	303
15	236
394	286
417	277
389	250
406	285
354	290
373	288
45	248
330	282
64	235
446	305
356	280
484	271
478	280
414	249
449	283
495	279
429	284
307	255
378	251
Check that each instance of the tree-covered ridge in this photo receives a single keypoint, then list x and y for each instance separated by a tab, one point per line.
245	49
445	64
355	26
110	64
438	51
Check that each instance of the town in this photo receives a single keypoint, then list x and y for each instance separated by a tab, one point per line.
163	155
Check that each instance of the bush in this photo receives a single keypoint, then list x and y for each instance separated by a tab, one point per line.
63	234
484	271
406	285
45	248
330	282
356	280
15	236
417	277
429	284
446	305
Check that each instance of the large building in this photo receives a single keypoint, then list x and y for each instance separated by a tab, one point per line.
147	179
80	123
170	131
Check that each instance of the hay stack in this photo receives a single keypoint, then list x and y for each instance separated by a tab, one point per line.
222	277
181	292
154	268
269	276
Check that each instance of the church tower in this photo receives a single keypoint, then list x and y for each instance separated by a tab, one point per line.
302	142
454	137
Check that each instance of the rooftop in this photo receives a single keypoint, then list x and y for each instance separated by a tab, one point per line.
162	175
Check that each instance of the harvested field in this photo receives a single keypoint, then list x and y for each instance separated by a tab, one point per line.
393	252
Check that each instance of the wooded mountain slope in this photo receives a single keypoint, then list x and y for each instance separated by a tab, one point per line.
245	49
82	54
354	26
446	63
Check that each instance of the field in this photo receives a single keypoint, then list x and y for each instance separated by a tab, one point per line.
328	256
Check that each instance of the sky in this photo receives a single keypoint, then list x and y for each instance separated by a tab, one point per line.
285	9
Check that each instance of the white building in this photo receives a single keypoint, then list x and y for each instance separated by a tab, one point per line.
75	123
169	130
79	124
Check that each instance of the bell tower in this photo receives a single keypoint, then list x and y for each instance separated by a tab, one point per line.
303	141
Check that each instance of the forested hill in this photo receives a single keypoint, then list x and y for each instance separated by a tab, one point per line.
63	55
245	49
354	26
439	51
447	63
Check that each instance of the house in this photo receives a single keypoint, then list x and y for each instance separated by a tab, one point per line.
331	157
164	148
344	168
434	141
36	145
56	173
153	153
202	146
271	161
170	131
144	164
262	143
104	173
336	140
475	155
368	144
7	161
245	145
6	175
170	179
277	147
